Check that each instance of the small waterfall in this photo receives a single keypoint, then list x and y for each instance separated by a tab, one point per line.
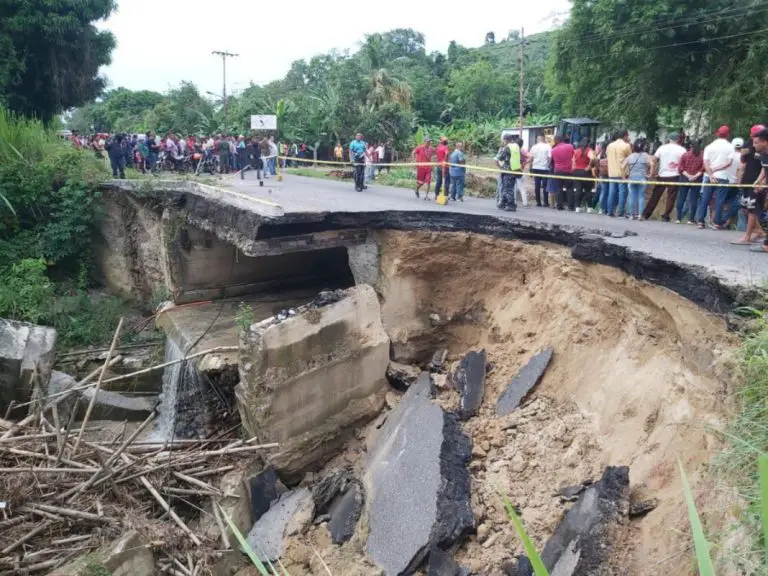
182	410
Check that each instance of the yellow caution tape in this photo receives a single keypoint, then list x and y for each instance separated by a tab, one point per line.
516	173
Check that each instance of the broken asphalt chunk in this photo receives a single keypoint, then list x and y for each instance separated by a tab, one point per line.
523	382
469	380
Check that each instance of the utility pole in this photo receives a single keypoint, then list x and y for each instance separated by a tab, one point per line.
522	99
224	55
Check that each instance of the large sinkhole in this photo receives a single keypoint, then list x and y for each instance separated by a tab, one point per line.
637	380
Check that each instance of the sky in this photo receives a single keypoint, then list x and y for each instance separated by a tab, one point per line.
162	42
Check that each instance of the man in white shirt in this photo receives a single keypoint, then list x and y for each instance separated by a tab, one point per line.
668	163
380	155
539	157
718	158
182	144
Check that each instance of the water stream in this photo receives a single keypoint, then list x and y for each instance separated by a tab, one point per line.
181	412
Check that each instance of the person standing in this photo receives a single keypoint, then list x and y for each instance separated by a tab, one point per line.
668	169
457	172
691	172
443	175
540	155
388	155
370	174
718	157
380	153
153	150
357	150
583	157
731	206
760	142
520	182
601	172
509	161
272	162
562	158
422	154
638	166
223	150
338	153
753	199
617	152
116	153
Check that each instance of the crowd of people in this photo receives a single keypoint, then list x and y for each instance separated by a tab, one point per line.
718	186
219	153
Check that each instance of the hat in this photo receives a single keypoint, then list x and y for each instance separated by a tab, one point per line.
756	129
723	131
674	136
738	142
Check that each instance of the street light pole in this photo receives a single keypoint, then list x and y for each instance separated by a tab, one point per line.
224	55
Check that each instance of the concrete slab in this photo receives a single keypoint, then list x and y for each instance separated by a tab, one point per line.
417	483
25	350
441	563
523	382
264	491
469	380
307	380
268	533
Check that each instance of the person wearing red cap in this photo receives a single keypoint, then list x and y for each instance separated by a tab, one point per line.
718	157
752	199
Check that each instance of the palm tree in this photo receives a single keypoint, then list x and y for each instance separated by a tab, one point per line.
385	86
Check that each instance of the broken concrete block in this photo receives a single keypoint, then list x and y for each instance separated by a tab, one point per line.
268	533
417	483
116	406
469	381
264	491
582	541
402	376
528	376
325	491
306	382
345	512
24	349
129	555
441	563
438	360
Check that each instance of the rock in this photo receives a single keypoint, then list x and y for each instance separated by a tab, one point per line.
482	532
642	507
402	376
570	493
129	555
478	452
476	565
469	380
441	563
268	533
582	540
434	319
302	518
264	490
528	376
418	483
364	262
438	360
485	445
391	399
24	349
313	378
331	485
345	512
522	567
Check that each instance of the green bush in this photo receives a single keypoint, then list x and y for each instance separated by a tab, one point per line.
26	292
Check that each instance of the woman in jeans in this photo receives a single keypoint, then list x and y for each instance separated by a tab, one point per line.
638	164
691	172
583	157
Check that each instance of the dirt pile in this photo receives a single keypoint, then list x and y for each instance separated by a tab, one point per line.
638	378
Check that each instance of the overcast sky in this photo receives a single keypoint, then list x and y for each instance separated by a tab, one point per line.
162	42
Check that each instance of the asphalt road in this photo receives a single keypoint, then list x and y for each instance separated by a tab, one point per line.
674	242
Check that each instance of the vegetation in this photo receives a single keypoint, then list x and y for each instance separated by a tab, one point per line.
51	54
633	62
387	89
45	234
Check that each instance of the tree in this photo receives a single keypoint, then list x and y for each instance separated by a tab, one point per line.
384	86
52	53
478	89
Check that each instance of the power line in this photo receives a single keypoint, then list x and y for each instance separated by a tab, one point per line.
224	55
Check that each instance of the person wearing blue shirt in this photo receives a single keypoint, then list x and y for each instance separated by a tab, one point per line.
457	172
357	150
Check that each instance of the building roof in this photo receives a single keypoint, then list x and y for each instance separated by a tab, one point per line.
581	121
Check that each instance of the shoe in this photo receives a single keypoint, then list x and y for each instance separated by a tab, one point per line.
417	194
461	199
538	205
577	210
678	222
701	226
665	218
590	210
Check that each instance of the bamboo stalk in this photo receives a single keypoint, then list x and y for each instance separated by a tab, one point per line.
28	536
68	512
98	387
212	472
71	539
196	482
186	491
220	523
171	363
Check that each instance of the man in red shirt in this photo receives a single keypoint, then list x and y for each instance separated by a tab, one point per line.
443	176
424	154
562	159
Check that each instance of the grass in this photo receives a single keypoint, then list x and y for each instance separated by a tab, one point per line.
530	550
703	559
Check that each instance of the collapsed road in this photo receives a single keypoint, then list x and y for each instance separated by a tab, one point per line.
376	381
